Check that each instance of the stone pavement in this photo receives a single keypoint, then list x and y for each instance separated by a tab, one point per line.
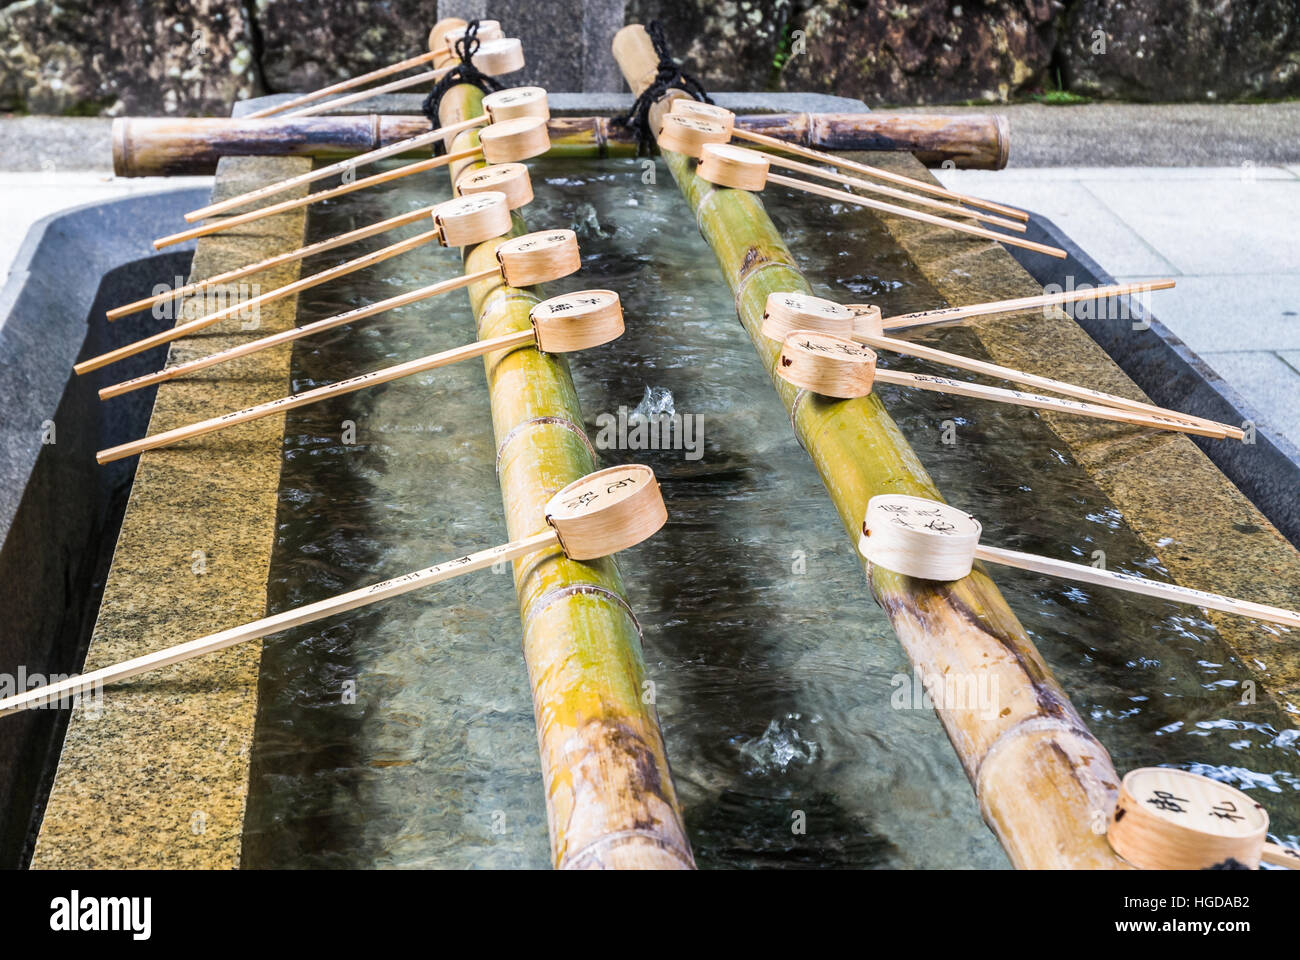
1225	234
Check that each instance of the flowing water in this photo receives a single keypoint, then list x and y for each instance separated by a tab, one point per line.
402	734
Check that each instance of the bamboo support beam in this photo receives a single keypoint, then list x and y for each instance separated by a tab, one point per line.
1042	780
609	792
171	146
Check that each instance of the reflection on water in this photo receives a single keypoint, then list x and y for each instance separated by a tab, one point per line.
402	734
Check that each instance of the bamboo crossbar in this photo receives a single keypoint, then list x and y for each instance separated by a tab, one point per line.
173	146
1040	776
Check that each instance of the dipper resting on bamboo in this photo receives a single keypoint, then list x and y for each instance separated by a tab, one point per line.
1170	819
931	540
792	311
456	223
509	179
598	515
694	137
718	125
842	368
742	169
506	142
561	325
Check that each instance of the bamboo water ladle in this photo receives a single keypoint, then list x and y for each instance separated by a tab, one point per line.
598	515
442	39
439	44
720	126
501	105
678	136
531	259
508	141
931	540
785	313
560	325
841	368
459	222
742	169
493	58
510	179
1171	819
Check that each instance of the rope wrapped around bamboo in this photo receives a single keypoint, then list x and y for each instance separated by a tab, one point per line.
609	792
1045	785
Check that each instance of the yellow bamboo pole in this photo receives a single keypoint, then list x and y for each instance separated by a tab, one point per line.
1045	785
609	792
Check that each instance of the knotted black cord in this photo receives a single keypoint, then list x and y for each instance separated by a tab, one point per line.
669	75
464	47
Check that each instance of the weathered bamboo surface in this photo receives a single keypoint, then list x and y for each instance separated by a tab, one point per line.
169	146
609	793
159	779
1044	783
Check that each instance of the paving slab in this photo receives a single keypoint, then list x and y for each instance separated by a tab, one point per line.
1243	311
1076	210
29	196
1266	380
1206	226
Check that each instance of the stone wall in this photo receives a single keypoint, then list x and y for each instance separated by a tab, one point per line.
196	56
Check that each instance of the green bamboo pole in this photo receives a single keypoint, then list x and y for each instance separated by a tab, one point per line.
609	792
1044	783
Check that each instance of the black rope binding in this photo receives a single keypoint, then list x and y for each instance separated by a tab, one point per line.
464	72
668	75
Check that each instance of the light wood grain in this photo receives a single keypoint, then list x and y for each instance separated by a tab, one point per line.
292	402
294	333
420	166
66	689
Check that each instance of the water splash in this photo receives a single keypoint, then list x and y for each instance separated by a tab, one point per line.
586	224
657	402
779	747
